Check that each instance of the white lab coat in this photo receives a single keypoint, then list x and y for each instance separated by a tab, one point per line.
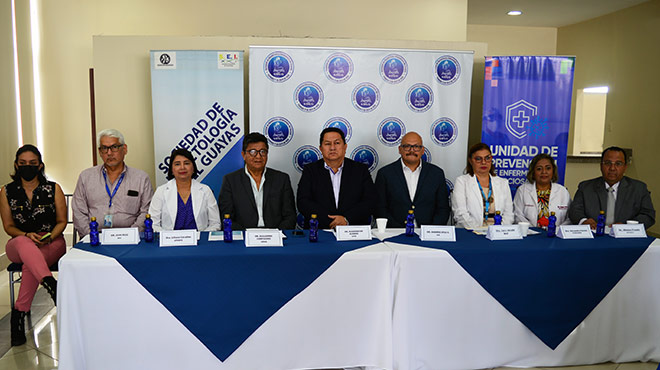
526	207
163	207
467	202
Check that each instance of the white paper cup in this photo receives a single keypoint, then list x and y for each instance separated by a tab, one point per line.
524	226
632	222
381	223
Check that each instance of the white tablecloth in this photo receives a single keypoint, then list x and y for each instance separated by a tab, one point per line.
107	320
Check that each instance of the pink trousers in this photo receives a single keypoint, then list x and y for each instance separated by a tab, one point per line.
36	262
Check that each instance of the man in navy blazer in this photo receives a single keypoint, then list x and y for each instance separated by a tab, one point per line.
632	200
409	183
338	190
257	196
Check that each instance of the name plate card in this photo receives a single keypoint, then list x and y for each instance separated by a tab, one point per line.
628	231
574	232
263	238
129	235
353	232
503	232
178	238
438	233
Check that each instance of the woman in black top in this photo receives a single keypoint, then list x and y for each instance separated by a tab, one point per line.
33	213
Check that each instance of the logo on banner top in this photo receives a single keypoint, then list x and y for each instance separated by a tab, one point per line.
419	97
279	131
342	124
278	66
447	69
366	97
390	131
165	60
393	68
450	185
520	116
426	157
444	131
338	67
367	155
308	96
306	154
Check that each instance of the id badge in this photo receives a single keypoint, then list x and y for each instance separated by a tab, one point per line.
107	221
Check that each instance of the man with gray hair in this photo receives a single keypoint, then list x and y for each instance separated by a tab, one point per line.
117	195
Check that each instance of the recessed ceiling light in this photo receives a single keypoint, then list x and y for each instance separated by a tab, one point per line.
514	12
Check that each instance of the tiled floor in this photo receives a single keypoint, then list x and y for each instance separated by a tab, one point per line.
41	350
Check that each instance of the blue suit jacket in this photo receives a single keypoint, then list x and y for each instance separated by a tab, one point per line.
357	195
431	203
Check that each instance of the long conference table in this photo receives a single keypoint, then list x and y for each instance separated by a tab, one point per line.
391	303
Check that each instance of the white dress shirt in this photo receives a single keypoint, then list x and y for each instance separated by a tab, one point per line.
258	195
412	178
336	180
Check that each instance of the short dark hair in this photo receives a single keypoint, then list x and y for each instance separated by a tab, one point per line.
29	148
615	149
473	149
184	153
332	129
254	137
535	161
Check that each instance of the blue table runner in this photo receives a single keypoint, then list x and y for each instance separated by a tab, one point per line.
223	292
548	284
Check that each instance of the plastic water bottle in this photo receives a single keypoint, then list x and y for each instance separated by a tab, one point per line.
410	223
498	218
94	233
314	229
552	225
600	224
226	229
148	229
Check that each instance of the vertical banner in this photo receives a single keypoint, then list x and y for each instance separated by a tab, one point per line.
527	109
374	95
197	99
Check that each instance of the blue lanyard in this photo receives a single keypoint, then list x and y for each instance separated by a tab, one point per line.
486	200
107	188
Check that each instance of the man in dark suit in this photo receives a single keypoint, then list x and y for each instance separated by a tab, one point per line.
621	197
257	196
338	190
407	184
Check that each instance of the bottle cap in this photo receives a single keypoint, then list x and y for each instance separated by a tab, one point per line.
497	212
602	212
93	218
313	215
410	212
552	213
147	216
226	215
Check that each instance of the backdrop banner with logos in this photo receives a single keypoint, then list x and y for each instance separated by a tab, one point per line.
374	95
197	100
527	111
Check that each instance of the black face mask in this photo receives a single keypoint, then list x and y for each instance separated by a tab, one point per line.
28	173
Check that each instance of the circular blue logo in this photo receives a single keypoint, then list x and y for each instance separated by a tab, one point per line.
393	68
367	155
390	131
279	131
426	157
366	97
342	124
444	131
419	97
338	67
278	66
308	96
304	155
447	69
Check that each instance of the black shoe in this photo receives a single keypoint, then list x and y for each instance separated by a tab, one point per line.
17	327
50	284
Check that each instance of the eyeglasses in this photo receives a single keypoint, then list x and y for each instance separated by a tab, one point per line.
262	152
114	148
486	159
610	163
407	147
